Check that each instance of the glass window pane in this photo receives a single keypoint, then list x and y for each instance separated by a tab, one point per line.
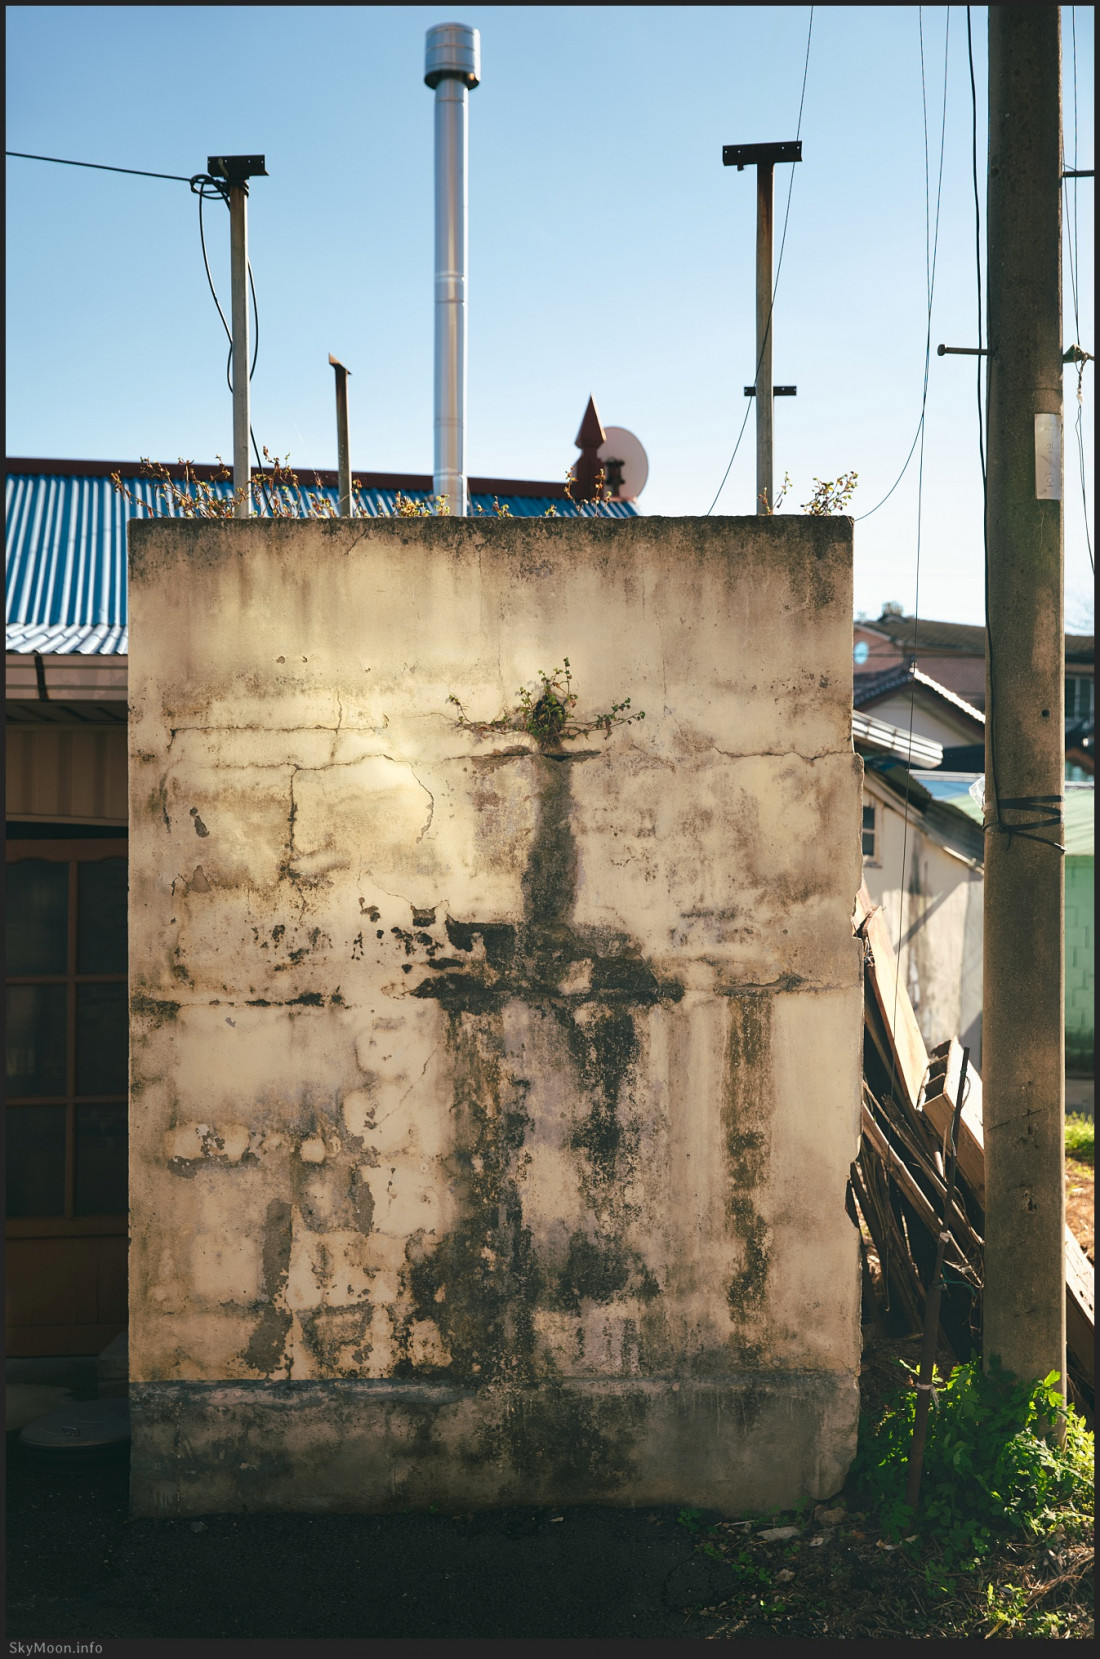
38	917
101	1180
35	1057
36	1160
101	1039
101	917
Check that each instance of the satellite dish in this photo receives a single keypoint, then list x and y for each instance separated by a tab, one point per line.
622	447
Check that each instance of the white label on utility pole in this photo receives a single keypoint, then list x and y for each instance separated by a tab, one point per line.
1048	458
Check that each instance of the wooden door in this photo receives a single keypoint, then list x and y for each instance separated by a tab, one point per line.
66	1102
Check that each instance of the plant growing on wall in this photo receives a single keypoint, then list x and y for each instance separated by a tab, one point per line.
545	712
281	493
827	497
831	496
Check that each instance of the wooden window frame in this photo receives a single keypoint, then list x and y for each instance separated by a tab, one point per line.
79	850
1085	683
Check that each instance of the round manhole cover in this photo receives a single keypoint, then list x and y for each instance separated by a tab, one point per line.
83	1430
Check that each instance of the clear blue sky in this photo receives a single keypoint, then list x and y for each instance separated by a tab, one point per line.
610	251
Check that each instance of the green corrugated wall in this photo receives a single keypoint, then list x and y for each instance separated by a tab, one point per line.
1080	965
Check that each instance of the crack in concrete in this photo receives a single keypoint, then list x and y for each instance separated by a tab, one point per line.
778	754
279	731
420	785
339	724
380	1121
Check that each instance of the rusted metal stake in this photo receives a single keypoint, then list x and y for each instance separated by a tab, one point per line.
932	1309
343	448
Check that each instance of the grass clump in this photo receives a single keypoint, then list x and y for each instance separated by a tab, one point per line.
1080	1138
999	1546
993	1467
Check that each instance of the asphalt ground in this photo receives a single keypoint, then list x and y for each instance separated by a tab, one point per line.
80	1570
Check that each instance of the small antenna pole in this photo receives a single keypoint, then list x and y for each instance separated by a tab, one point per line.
238	267
237	170
764	157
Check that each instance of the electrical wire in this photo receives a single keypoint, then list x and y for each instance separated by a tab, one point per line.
929	258
978	267
203	180
778	269
205	188
208	189
138	172
990	732
931	250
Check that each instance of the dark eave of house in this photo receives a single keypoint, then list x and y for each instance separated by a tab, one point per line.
964	639
870	688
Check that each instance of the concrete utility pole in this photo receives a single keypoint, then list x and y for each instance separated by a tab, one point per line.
1023	1030
237	170
764	156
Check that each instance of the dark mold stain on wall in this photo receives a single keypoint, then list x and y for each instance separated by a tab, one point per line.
482	1283
746	1126
267	1345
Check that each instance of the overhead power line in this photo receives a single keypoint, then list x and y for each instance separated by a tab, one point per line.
202	185
778	268
101	167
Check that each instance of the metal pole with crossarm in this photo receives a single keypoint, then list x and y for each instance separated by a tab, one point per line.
764	156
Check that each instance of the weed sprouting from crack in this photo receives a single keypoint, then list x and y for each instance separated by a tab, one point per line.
545	712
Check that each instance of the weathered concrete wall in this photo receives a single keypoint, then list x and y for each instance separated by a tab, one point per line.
491	1107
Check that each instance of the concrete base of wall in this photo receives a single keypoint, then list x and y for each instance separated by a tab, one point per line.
740	1444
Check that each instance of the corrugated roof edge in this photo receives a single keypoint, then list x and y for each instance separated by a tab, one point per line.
208	472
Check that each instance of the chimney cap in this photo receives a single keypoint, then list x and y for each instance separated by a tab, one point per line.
452	51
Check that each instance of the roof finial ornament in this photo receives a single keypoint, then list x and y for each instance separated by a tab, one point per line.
586	485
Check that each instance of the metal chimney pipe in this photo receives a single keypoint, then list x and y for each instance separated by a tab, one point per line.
452	65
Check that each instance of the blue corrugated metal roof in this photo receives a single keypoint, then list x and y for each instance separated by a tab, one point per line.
66	550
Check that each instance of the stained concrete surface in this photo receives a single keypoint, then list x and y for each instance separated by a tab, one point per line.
471	1150
80	1570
